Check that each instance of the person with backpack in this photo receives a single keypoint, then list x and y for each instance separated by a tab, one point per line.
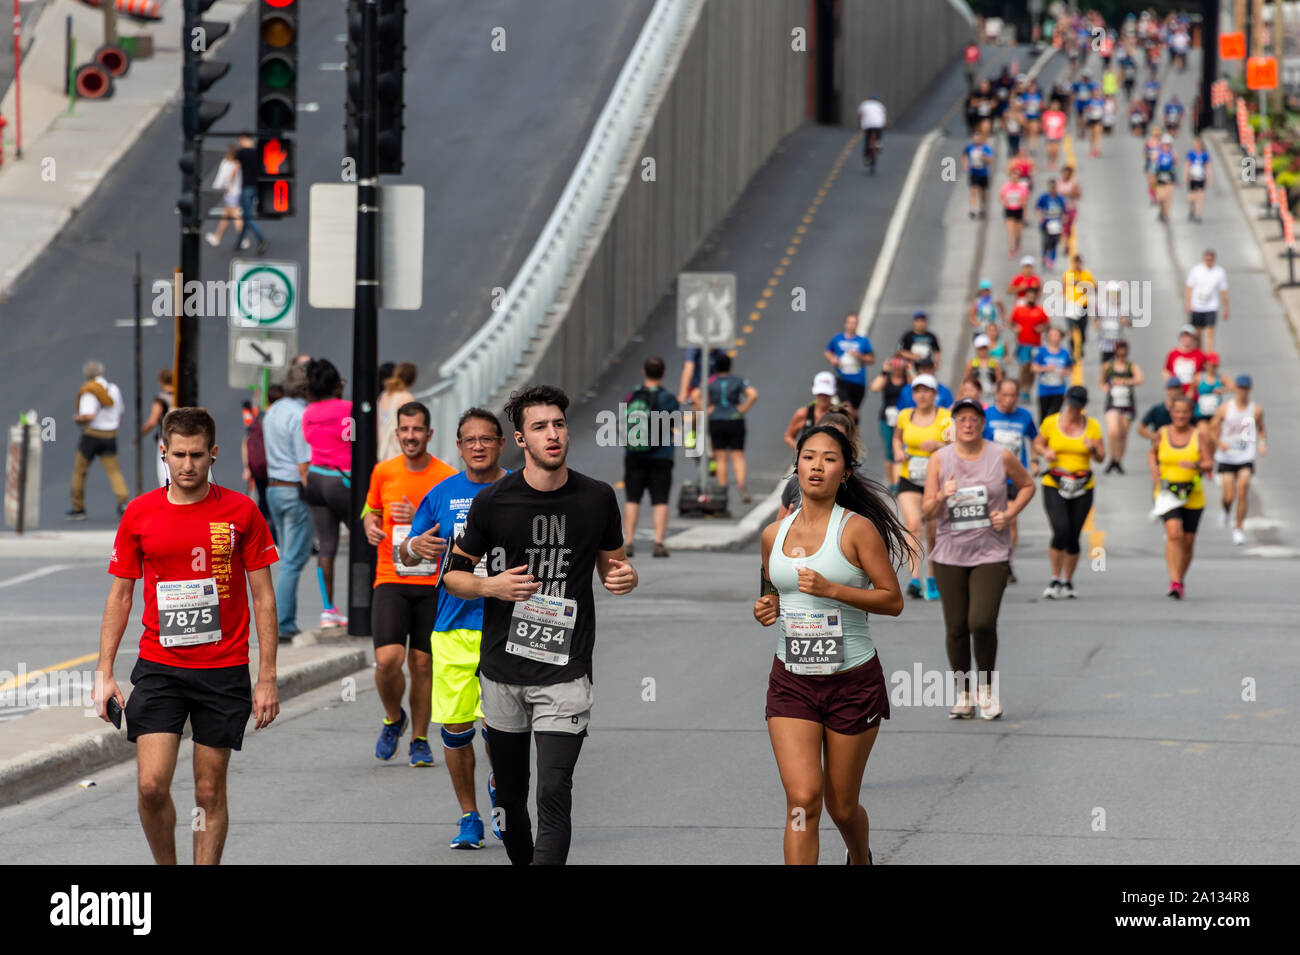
648	454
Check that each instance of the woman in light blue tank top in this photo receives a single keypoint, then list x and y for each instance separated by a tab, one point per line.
825	567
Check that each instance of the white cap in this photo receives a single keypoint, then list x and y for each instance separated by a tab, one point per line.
823	383
1027	260
981	341
925	381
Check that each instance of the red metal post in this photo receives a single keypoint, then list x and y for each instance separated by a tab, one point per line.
18	83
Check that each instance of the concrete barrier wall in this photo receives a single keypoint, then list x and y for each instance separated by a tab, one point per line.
895	49
739	89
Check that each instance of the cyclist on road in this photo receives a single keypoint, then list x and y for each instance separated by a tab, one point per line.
1178	459
825	567
1239	439
1013	428
920	432
200	549
1070	442
871	120
1119	378
544	531
404	606
457	635
966	492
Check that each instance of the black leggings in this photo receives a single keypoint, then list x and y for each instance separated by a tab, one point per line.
325	518
1066	518
971	598
557	754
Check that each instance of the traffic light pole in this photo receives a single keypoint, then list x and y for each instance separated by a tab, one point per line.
186	373
1209	60
365	320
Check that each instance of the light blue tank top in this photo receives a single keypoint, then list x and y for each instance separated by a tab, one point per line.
830	562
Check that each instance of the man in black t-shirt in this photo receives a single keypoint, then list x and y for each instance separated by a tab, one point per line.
543	530
920	343
250	166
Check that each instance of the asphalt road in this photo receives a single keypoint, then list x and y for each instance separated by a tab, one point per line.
492	136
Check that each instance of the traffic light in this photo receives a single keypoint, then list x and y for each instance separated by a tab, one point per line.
189	204
392	33
352	115
198	74
277	65
275	178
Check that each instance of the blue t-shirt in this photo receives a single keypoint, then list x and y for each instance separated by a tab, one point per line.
944	399
1052	206
446	504
1173	111
842	345
1165	161
1152	90
1010	430
1033	104
979	156
1082	92
725	392
1052	382
694	354
1197	163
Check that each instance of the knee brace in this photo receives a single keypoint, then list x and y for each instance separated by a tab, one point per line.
457	740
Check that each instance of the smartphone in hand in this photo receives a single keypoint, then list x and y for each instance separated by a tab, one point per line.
114	711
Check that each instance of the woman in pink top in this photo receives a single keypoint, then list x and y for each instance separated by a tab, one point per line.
966	490
328	427
1014	194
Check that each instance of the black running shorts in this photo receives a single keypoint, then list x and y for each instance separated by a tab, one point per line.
399	611
216	701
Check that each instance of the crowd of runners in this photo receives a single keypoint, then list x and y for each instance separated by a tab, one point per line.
482	612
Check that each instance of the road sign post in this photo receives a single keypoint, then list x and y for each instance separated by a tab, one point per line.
706	319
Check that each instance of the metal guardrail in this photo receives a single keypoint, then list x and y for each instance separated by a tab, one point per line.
484	364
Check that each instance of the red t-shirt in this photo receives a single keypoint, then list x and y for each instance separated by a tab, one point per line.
1022	283
1020	168
1185	366
1054	124
1027	319
217	539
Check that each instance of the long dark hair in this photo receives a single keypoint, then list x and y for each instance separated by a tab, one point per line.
866	497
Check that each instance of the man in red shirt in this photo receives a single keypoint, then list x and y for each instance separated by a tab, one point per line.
1024	280
193	542
1030	321
1186	361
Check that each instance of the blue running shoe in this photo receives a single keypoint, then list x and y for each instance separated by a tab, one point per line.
914	588
388	737
421	755
492	800
931	589
471	832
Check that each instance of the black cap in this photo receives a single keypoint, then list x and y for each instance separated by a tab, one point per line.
967	403
1077	397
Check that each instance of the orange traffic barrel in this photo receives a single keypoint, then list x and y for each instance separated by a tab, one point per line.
113	58
140	9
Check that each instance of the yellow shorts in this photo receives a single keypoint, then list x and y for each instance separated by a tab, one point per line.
457	697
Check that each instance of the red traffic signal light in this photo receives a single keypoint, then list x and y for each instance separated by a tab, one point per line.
275	198
277	156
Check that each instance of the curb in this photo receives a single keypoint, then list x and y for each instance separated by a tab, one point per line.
44	769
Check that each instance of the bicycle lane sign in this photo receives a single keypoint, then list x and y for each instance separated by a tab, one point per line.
263	294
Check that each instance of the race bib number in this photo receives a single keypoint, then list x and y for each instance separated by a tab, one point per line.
977	160
1202	299
425	568
1008	438
1196	170
814	641
968	509
1207	403
1244	439
480	569
1094	112
1121	395
921	349
541	629
849	364
189	612
891	416
1051	379
1185	369
1071	486
916	468
1053	226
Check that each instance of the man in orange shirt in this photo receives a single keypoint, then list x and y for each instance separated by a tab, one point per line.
405	601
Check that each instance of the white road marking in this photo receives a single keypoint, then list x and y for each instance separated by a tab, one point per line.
32	575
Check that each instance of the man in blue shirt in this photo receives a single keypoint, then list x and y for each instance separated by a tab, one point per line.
925	367
976	159
1051	215
849	353
648	457
1012	427
458	630
287	458
1051	363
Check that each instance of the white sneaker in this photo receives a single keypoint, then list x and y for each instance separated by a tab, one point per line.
1223	518
1053	590
990	707
332	618
1238	536
964	709
212	239
246	244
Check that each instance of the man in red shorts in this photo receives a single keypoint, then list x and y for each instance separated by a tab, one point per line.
194	543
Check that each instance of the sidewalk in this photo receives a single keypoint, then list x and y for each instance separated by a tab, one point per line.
67	154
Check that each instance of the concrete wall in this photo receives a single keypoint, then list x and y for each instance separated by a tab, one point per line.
895	49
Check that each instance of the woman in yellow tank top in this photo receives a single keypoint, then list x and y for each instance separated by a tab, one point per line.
920	432
1178	459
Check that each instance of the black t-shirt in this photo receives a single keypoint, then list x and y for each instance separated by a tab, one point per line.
890	394
250	165
1157	417
557	534
910	338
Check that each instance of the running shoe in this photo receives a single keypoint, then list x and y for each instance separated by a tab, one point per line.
332	618
471	832
990	707
1175	590
659	550
1223	518
964	709
1238	536
931	589
1053	590
75	515
492	800
212	239
1119	468
388	737
1068	589
630	549
263	246
914	588
421	755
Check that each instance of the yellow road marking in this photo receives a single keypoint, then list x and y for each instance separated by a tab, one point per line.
13	683
747	329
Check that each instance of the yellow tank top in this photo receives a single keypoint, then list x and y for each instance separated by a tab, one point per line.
1072	454
1171	471
912	435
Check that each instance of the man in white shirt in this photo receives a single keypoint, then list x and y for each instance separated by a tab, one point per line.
1205	294
871	120
99	412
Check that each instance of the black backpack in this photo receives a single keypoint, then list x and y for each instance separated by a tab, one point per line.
639	405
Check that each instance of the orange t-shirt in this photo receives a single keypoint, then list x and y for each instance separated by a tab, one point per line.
390	481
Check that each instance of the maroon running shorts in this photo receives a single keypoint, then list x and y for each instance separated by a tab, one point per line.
849	702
